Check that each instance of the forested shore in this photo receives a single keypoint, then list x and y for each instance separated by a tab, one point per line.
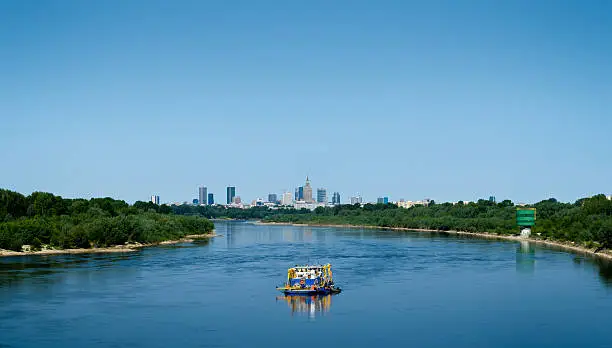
45	221
587	222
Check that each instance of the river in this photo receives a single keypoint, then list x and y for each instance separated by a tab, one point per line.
399	289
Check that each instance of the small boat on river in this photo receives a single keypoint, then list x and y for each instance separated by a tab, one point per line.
309	280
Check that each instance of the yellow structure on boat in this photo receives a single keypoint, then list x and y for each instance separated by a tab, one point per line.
309	280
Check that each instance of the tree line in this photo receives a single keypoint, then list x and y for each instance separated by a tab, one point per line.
46	219
587	221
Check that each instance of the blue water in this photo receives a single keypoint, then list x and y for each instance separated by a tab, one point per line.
400	288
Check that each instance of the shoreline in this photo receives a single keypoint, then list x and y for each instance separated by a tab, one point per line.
127	248
566	246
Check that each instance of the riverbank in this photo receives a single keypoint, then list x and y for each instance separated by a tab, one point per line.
567	246
128	247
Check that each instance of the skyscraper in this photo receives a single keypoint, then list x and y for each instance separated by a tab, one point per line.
297	194
308	192
272	198
211	199
356	199
202	195
321	195
300	196
155	199
287	199
336	198
231	193
382	200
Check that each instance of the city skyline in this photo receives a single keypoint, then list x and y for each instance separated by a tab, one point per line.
451	101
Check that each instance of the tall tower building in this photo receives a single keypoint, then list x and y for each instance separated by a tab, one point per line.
287	199
336	198
308	192
155	199
321	195
211	199
231	193
203	195
272	198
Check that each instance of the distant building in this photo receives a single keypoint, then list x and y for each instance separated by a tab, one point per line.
287	199
202	191
336	198
356	199
379	200
155	199
492	199
236	200
385	200
408	204
259	202
300	194
272	198
321	195
307	192
231	194
211	199
195	201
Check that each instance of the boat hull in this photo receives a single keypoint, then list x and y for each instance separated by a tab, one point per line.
309	292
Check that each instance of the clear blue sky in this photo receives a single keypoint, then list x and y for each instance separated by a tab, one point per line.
451	100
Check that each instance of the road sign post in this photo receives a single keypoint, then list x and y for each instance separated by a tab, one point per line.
525	219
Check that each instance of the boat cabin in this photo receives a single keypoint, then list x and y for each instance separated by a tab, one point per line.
308	275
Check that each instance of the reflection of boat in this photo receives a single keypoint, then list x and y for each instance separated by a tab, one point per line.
309	280
307	304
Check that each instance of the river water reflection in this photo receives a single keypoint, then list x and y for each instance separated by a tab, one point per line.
399	288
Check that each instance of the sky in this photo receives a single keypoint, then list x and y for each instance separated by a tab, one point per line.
448	100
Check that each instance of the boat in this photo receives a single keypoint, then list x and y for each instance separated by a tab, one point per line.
309	280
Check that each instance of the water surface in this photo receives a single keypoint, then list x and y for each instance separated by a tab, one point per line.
400	288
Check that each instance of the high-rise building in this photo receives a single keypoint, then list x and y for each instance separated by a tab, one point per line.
155	199
321	195
272	198
492	199
385	200
211	199
195	201
203	195
231	193
379	200
287	199
300	194
308	192
336	198
356	199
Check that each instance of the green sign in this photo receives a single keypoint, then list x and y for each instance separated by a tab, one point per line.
525	216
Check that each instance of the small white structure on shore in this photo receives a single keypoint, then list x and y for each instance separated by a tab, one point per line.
525	232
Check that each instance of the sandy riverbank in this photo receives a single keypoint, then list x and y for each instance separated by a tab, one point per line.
130	247
568	246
